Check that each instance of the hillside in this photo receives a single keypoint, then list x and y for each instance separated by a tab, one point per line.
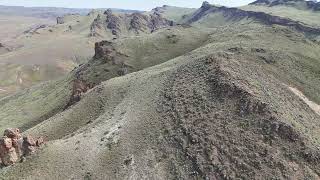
47	51
227	94
307	12
47	12
176	14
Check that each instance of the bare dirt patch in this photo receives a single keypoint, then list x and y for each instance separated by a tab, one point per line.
314	106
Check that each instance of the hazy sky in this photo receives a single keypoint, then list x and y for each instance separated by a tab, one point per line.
124	4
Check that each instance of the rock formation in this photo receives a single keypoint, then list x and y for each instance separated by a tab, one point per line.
102	49
95	26
34	29
142	23
13	147
113	22
79	88
120	24
60	20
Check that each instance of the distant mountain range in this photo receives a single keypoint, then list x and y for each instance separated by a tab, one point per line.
48	12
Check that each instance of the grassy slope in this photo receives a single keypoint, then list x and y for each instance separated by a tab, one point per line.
306	16
95	72
9	28
287	53
50	53
143	124
166	113
293	55
175	13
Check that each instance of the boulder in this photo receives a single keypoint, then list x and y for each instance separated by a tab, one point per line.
39	142
28	145
13	147
8	154
60	20
12	133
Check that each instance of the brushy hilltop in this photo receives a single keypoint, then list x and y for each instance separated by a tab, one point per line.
225	93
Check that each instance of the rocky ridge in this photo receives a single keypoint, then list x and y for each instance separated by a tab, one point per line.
135	23
312	5
237	14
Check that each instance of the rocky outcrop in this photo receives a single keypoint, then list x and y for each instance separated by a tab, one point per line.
205	9
79	87
4	48
113	22
135	22
313	5
34	29
205	5
60	20
95	26
157	21
102	49
13	147
147	23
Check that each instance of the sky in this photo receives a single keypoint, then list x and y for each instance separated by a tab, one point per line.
123	4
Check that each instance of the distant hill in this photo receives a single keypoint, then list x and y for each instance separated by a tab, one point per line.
307	12
47	12
302	4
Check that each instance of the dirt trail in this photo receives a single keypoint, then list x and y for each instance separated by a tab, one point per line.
314	106
2	90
